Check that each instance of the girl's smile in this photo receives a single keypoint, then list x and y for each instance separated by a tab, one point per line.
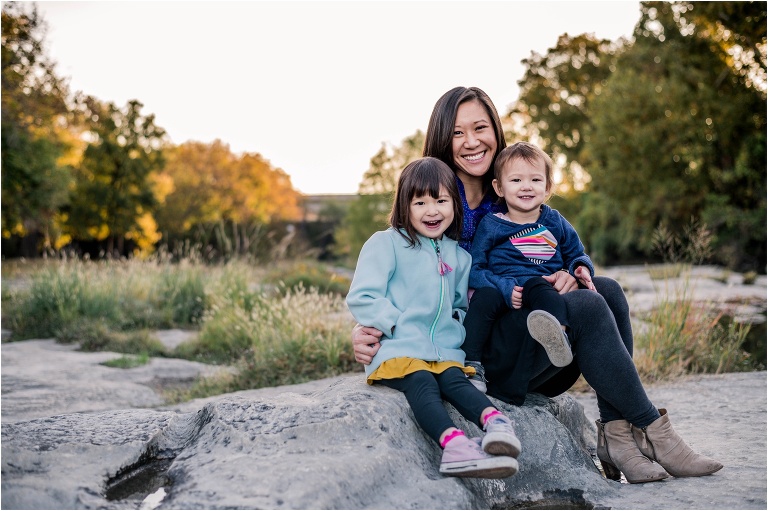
431	216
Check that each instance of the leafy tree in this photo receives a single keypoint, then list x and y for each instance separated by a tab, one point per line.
34	114
677	135
556	92
370	211
210	187
113	198
663	129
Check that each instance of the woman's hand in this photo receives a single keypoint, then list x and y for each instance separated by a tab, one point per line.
563	282
365	343
582	274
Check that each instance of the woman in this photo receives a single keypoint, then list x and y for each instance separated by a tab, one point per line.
465	132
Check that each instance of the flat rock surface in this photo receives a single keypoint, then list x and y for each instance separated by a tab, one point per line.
723	416
48	385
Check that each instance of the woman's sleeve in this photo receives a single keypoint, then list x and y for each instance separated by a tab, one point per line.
367	298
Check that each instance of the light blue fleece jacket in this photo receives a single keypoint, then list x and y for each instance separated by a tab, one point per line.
399	290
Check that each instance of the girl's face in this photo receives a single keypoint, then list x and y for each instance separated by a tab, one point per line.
429	216
474	140
523	186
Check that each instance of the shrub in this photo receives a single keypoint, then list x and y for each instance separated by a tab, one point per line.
271	340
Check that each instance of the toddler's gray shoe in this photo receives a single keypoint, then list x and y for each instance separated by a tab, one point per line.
478	379
548	332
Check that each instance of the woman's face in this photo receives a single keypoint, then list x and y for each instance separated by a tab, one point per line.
474	140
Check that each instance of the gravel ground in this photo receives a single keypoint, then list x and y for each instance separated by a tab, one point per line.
722	416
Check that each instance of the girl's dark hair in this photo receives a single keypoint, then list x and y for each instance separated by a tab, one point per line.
523	151
439	138
422	177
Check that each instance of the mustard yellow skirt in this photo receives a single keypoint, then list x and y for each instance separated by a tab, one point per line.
403	366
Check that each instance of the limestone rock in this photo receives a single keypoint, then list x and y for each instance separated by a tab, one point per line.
344	446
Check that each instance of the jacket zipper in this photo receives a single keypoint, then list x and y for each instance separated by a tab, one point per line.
440	306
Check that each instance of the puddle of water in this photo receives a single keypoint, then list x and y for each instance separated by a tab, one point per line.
557	499
140	481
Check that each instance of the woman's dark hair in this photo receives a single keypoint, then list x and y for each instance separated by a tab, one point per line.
422	177
442	123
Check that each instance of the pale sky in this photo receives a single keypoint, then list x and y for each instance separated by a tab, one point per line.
315	87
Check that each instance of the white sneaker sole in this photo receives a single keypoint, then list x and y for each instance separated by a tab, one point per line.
497	467
501	444
546	329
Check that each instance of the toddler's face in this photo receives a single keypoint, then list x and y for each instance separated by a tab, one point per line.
523	186
431	217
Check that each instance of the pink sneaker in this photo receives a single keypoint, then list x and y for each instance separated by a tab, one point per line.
463	457
500	438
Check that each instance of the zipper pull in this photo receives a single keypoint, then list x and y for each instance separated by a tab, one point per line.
442	266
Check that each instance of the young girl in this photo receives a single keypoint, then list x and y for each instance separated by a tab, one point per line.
411	283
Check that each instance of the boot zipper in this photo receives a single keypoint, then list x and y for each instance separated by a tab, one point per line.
647	442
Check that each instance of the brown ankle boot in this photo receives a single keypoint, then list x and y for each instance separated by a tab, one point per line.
661	443
618	452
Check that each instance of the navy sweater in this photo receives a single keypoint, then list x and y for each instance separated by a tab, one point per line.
506	254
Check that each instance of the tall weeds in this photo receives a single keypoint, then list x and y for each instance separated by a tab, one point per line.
680	335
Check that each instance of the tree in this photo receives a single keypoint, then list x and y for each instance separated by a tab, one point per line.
113	199
663	129
677	134
556	92
210	188
370	211
34	114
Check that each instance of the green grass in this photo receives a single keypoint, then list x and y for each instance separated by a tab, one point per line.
128	361
682	336
287	323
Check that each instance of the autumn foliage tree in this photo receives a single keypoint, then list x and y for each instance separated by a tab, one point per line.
113	199
213	195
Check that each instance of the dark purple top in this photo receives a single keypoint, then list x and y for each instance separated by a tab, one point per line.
472	217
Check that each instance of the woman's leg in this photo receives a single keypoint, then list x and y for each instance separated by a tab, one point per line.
617	302
603	358
423	395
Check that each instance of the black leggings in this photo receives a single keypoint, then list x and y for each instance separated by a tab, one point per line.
601	340
488	304
425	392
